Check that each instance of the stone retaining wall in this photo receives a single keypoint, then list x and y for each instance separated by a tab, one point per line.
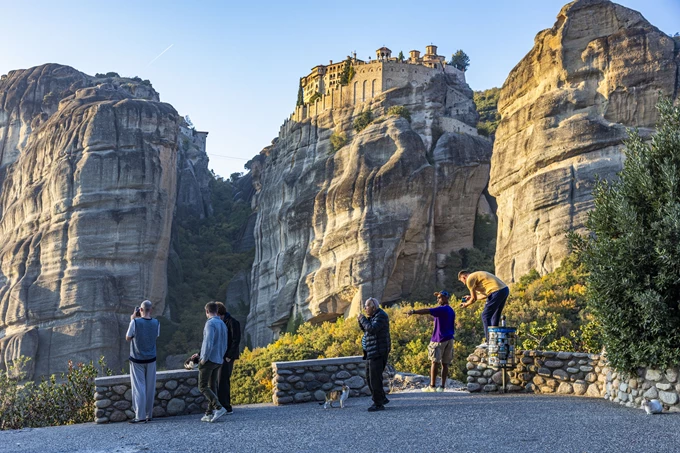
176	394
309	380
575	373
568	373
648	383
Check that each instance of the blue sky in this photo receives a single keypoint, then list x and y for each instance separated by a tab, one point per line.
234	65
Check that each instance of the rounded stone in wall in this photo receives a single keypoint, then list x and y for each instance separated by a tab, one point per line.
316	368
118	416
122	405
130	414
313	385
115	397
128	395
171	385
323	377
176	406
327	386
120	389
482	380
490	388
366	390
653	375
302	397
350	366
473	387
164	395
561	374
101	404
580	387
331	368
191	381
299	385
320	395
283	386
355	382
471	379
343	375
565	388
293	379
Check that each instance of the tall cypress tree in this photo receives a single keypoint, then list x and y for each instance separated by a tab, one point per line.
301	95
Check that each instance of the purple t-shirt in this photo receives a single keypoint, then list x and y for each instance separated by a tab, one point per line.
444	318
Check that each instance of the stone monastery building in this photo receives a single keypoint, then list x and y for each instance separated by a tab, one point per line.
322	89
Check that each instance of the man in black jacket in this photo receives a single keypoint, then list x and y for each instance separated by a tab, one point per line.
233	342
377	345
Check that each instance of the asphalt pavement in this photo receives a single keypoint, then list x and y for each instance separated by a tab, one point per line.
412	422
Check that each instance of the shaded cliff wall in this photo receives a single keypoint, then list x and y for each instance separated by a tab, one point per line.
90	170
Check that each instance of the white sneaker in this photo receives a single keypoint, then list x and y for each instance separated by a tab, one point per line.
439	389
217	414
207	418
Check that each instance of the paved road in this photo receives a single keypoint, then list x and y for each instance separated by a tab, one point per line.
413	422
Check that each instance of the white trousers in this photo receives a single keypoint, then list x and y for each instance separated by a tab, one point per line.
143	380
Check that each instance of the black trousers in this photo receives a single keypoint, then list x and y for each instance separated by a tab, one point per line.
374	375
224	387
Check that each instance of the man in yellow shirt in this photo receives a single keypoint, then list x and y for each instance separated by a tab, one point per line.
483	285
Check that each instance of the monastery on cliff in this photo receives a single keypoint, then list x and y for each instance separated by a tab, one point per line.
323	91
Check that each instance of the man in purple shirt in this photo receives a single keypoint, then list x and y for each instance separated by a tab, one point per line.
440	349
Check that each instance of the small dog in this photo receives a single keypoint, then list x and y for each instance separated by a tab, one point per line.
192	362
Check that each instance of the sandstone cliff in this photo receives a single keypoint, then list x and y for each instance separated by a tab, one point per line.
89	171
376	217
565	110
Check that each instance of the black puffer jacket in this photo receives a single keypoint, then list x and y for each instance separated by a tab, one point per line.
377	329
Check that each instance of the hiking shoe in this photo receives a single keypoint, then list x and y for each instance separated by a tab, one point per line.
133	421
218	413
385	401
428	389
375	408
439	389
206	418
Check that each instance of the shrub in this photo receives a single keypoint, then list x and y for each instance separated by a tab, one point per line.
400	110
49	98
315	97
51	402
633	252
338	140
486	103
363	120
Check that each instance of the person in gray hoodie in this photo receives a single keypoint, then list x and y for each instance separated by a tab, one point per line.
212	351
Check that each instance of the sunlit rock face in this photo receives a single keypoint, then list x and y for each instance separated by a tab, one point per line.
90	175
565	109
375	217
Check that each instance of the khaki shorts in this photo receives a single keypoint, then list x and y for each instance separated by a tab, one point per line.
441	352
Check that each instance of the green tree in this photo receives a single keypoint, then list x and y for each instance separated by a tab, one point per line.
486	103
301	95
400	57
460	60
633	251
347	72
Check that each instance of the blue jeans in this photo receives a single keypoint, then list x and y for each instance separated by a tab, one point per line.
491	315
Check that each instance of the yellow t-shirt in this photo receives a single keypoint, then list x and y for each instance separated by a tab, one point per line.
484	283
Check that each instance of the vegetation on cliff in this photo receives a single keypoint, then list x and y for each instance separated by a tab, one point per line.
207	259
633	253
486	102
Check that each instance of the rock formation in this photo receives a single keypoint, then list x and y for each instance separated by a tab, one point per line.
374	217
89	171
565	112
